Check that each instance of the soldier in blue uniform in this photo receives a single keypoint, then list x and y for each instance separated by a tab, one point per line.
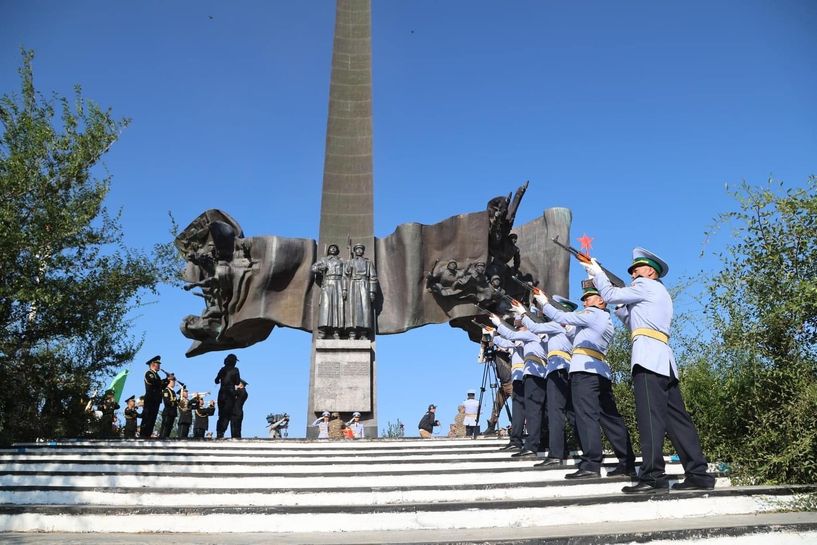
534	350
560	348
646	309
357	426
518	397
591	387
153	396
471	409
322	423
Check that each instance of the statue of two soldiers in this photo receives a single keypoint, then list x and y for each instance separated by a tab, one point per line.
348	290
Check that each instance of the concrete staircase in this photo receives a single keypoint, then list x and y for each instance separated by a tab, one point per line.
376	491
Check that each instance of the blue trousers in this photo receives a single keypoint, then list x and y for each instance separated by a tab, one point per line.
660	411
593	401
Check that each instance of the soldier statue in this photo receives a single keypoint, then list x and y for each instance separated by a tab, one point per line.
446	282
329	272
362	291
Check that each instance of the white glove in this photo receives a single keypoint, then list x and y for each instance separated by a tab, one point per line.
540	298
593	268
495	319
569	328
518	308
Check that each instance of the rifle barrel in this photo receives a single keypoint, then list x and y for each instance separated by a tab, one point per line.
584	258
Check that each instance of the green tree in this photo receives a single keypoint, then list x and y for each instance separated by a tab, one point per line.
67	282
752	379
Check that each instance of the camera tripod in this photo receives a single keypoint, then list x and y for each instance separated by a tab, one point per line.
489	380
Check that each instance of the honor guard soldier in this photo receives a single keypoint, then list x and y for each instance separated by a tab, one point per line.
238	409
518	397
535	370
171	404
591	385
131	414
185	414
560	349
227	379
357	426
646	309
471	409
153	396
322	422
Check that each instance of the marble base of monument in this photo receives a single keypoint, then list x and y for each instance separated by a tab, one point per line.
343	376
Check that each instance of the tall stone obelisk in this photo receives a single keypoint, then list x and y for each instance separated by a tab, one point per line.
342	372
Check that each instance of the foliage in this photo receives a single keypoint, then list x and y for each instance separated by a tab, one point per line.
753	383
393	431
67	282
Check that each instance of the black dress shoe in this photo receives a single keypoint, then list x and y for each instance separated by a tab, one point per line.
524	454
645	488
622	471
583	474
690	485
510	446
549	462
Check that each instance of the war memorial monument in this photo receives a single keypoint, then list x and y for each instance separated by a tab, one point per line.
350	286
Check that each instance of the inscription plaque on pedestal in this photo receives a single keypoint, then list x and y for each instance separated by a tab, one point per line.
343	375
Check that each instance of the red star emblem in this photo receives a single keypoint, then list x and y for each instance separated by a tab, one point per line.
586	242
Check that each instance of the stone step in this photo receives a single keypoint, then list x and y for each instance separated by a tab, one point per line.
390	488
268	444
28	495
510	474
392	517
755	529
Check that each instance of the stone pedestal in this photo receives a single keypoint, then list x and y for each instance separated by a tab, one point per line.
342	381
343	376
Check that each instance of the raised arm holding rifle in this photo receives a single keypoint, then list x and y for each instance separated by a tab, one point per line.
584	259
646	309
534	370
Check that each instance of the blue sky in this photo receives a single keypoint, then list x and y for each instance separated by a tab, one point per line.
633	114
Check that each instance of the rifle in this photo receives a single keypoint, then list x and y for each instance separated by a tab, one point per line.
584	258
537	291
483	327
513	302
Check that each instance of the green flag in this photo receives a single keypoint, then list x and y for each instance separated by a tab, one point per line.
118	384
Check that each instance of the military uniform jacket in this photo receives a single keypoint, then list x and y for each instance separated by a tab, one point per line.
533	346
594	331
108	407
648	305
357	428
517	361
131	415
558	341
170	400
185	411
323	428
202	420
153	383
